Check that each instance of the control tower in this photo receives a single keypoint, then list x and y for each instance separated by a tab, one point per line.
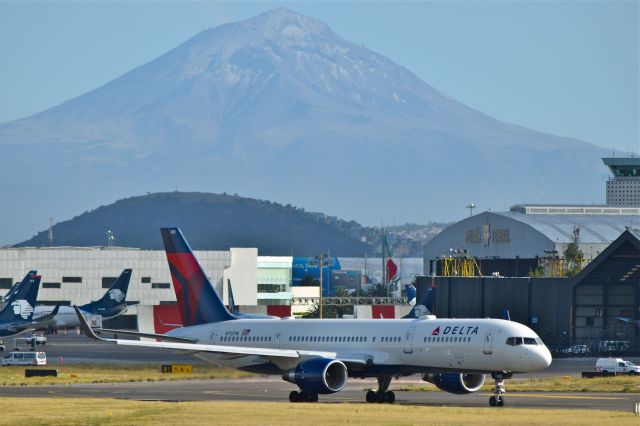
623	188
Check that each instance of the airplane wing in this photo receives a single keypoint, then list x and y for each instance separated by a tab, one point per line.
161	337
185	345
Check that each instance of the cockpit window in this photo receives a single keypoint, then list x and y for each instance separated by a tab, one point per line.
515	341
539	341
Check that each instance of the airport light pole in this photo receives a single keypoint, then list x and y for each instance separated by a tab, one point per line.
321	262
471	206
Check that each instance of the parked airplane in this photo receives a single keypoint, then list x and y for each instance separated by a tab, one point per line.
110	305
17	315
319	355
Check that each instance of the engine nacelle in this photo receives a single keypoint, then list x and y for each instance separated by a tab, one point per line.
459	383
318	375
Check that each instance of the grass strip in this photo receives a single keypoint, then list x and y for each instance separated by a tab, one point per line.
116	373
87	411
618	384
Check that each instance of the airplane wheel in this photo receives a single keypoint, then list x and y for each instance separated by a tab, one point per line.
312	397
492	401
294	396
371	396
500	401
390	397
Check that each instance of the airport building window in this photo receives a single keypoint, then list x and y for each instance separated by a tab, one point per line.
50	285
160	285
6	282
107	281
71	279
145	280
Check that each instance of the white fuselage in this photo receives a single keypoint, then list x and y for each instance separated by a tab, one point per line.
65	318
411	345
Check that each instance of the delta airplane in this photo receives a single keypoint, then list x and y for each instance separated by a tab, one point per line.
320	355
110	305
17	315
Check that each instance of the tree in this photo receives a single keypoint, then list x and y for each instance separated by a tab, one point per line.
573	256
377	290
309	281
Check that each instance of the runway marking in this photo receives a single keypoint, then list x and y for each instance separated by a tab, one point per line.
510	395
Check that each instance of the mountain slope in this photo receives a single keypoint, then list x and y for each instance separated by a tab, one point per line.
210	221
280	107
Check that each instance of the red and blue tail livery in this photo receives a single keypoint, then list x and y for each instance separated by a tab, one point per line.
198	301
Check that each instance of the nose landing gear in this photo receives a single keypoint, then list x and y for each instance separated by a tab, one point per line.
497	400
382	395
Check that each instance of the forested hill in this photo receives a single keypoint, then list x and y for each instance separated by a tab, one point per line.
215	222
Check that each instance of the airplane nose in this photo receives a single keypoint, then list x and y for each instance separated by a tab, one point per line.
541	359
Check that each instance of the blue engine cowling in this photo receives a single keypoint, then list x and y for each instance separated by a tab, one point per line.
458	383
318	375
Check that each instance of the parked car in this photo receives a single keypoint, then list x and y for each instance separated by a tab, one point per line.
577	350
616	365
38	339
614	346
25	358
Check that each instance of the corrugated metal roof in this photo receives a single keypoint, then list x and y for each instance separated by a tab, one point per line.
593	228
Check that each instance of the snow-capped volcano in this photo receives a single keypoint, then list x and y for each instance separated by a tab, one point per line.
280	107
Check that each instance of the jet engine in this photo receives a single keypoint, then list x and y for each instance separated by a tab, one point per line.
458	383
318	375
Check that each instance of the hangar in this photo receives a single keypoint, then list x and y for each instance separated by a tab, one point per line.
599	305
513	242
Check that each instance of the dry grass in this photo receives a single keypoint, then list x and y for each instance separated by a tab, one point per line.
67	411
99	373
619	384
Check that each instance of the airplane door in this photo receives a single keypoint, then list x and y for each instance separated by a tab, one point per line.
276	343
214	335
408	340
488	342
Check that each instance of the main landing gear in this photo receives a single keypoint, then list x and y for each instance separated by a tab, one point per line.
382	394
497	400
302	396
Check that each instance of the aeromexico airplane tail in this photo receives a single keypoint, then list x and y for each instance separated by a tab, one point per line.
198	301
113	302
21	300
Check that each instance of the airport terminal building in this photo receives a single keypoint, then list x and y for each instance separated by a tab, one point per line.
261	284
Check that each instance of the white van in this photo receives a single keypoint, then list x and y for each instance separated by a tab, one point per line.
25	358
616	365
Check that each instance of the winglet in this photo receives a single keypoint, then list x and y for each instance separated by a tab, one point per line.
88	331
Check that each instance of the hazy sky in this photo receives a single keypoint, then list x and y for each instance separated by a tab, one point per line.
569	68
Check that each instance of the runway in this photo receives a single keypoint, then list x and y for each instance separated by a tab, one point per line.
275	390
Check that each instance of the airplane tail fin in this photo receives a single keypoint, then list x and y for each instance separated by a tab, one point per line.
232	302
424	306
411	294
506	315
113	298
21	299
198	301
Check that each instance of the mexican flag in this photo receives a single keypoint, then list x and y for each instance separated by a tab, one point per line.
392	268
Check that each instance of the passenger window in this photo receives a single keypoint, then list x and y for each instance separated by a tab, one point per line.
622	364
